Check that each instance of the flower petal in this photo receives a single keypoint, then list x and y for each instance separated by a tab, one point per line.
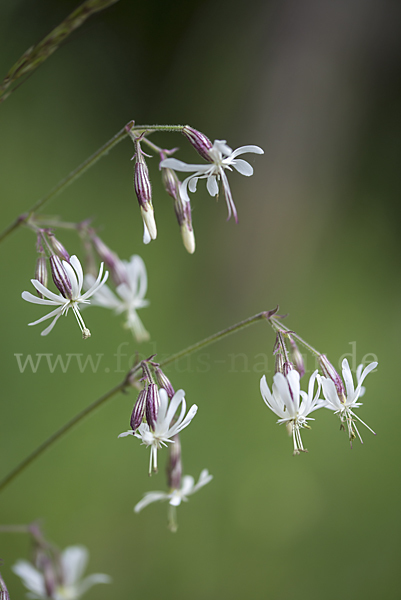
51	314
91	580
31	578
243	167
47	293
178	165
150	497
244	149
74	560
212	185
72	277
78	269
36	300
192	184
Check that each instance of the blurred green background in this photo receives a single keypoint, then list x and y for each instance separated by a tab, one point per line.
317	85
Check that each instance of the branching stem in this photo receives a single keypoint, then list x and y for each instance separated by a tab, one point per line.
120	388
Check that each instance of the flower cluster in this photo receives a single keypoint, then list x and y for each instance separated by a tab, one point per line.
68	278
293	406
54	574
219	158
129	277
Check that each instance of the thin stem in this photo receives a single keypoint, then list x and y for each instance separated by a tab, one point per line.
64	183
59	433
213	338
278	326
15	528
119	388
89	162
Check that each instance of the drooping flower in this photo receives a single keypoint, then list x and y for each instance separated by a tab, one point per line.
166	425
220	157
343	405
175	497
285	402
68	278
68	583
131	295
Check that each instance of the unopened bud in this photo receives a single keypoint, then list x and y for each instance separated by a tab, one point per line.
60	277
184	218
111	260
142	185
297	358
170	182
164	382
86	333
58	248
330	372
199	141
148	218
152	405
139	410
174	464
41	272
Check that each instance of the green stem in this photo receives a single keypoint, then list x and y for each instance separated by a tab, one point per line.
119	388
89	162
278	326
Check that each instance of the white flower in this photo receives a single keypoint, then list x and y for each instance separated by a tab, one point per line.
166	426
285	403
175	497
75	278
73	563
131	294
221	157
343	407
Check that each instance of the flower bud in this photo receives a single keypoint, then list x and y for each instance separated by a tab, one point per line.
199	141
111	260
149	222
152	405
184	218
139	410
60	277
330	372
297	358
170	182
58	247
143	190
174	464
164	382
41	272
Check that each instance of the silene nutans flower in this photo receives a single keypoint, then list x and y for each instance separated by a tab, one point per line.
220	158
343	401
291	404
68	278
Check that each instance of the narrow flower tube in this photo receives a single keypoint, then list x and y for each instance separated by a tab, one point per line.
139	410
182	208
297	357
143	190
330	373
60	277
152	404
58	247
164	382
111	260
41	272
199	141
174	465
